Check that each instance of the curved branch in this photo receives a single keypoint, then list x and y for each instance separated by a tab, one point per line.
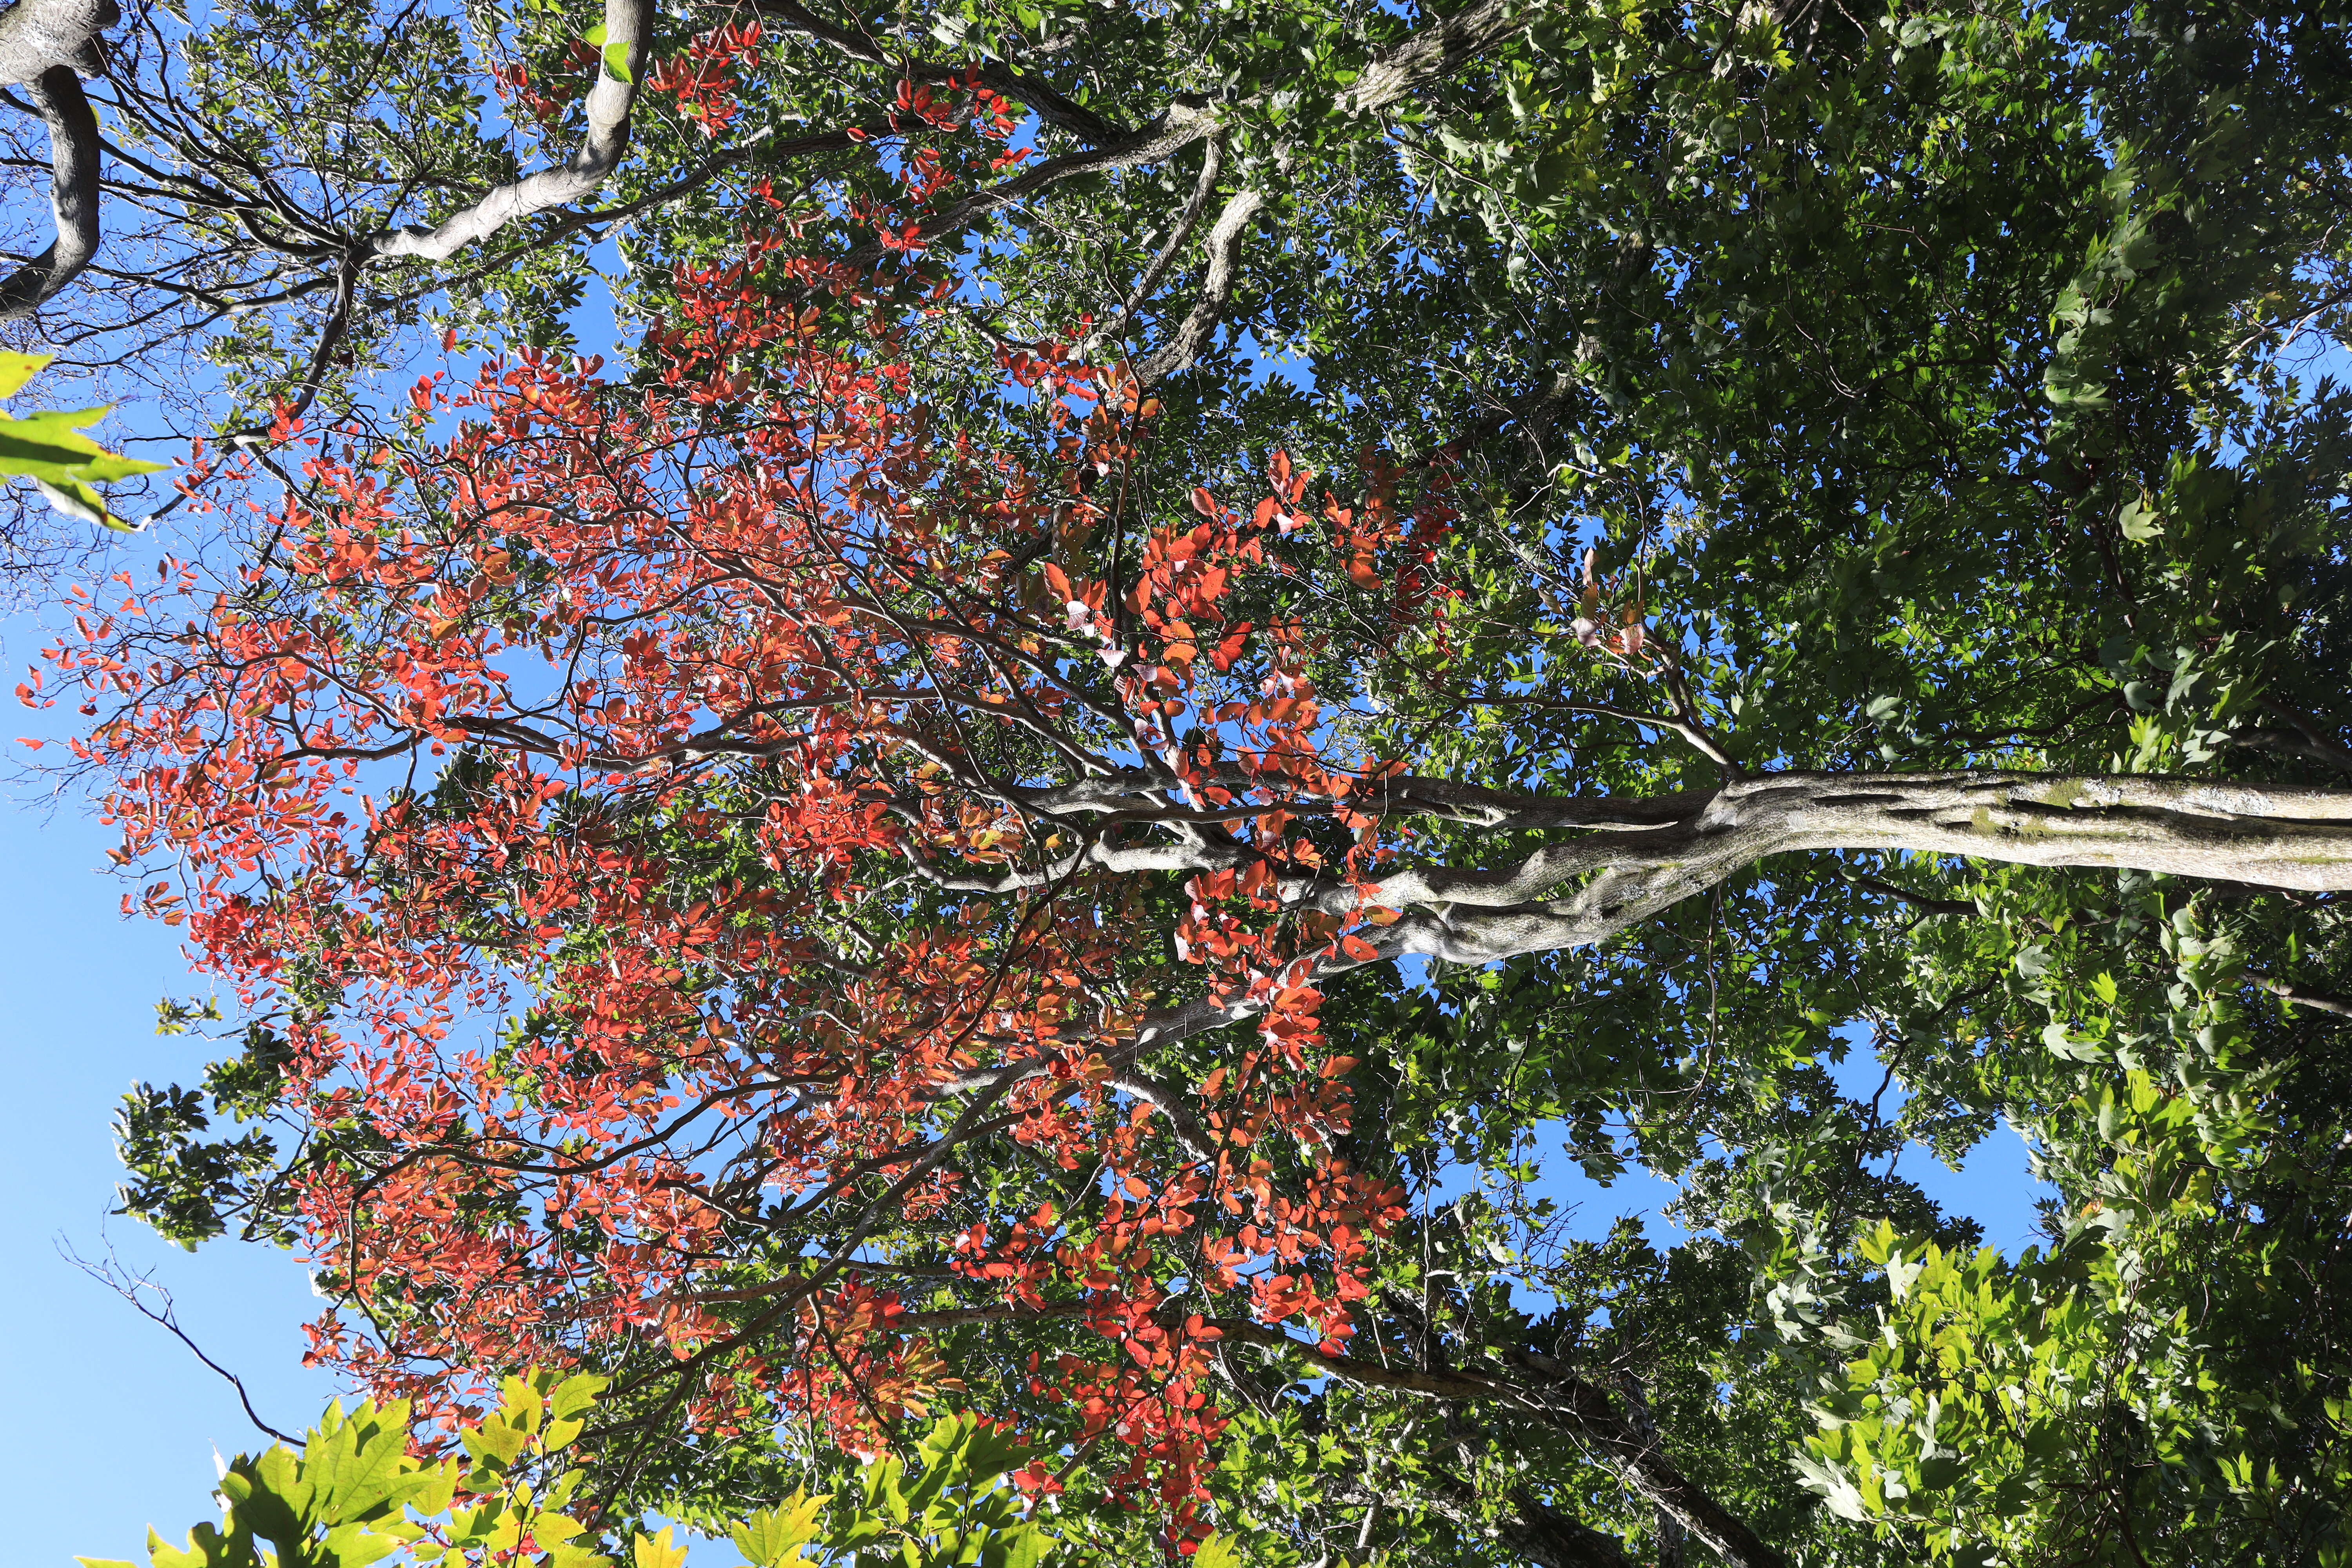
1527	1525
1223	247
2288	839
331	337
628	25
1179	127
73	196
1212	164
1433	52
36	35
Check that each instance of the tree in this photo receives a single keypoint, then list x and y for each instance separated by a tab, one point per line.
855	889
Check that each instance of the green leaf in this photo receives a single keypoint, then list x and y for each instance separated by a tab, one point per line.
494	1443
775	1535
575	1394
16	369
78	501
1220	1551
49	446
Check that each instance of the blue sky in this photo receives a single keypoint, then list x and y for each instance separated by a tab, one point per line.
106	1422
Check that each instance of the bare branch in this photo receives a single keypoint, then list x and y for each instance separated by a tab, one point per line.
136	1288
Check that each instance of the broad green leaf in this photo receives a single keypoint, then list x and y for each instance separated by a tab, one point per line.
775	1535
1220	1551
576	1394
50	446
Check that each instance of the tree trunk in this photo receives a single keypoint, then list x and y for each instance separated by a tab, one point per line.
1653	854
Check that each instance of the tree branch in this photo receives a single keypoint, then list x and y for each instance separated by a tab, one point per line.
1566	1403
1212	164
1223	248
1052	108
36	35
1179	127
42	45
135	1289
1433	52
628	25
2317	742
2297	995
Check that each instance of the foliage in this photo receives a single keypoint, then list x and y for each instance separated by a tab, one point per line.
820	883
357	1493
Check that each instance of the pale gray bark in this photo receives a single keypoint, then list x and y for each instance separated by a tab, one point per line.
1637	858
1433	51
1212	164
627	25
1178	127
73	196
42	44
2301	997
36	35
2298	840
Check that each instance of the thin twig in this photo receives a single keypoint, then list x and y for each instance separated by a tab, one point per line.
129	1287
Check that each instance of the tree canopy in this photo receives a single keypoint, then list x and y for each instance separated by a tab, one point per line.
1185	652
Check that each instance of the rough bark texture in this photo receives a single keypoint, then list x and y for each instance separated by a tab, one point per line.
36	35
2298	840
1433	51
1223	247
73	196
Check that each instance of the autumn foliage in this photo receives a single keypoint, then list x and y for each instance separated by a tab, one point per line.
693	840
